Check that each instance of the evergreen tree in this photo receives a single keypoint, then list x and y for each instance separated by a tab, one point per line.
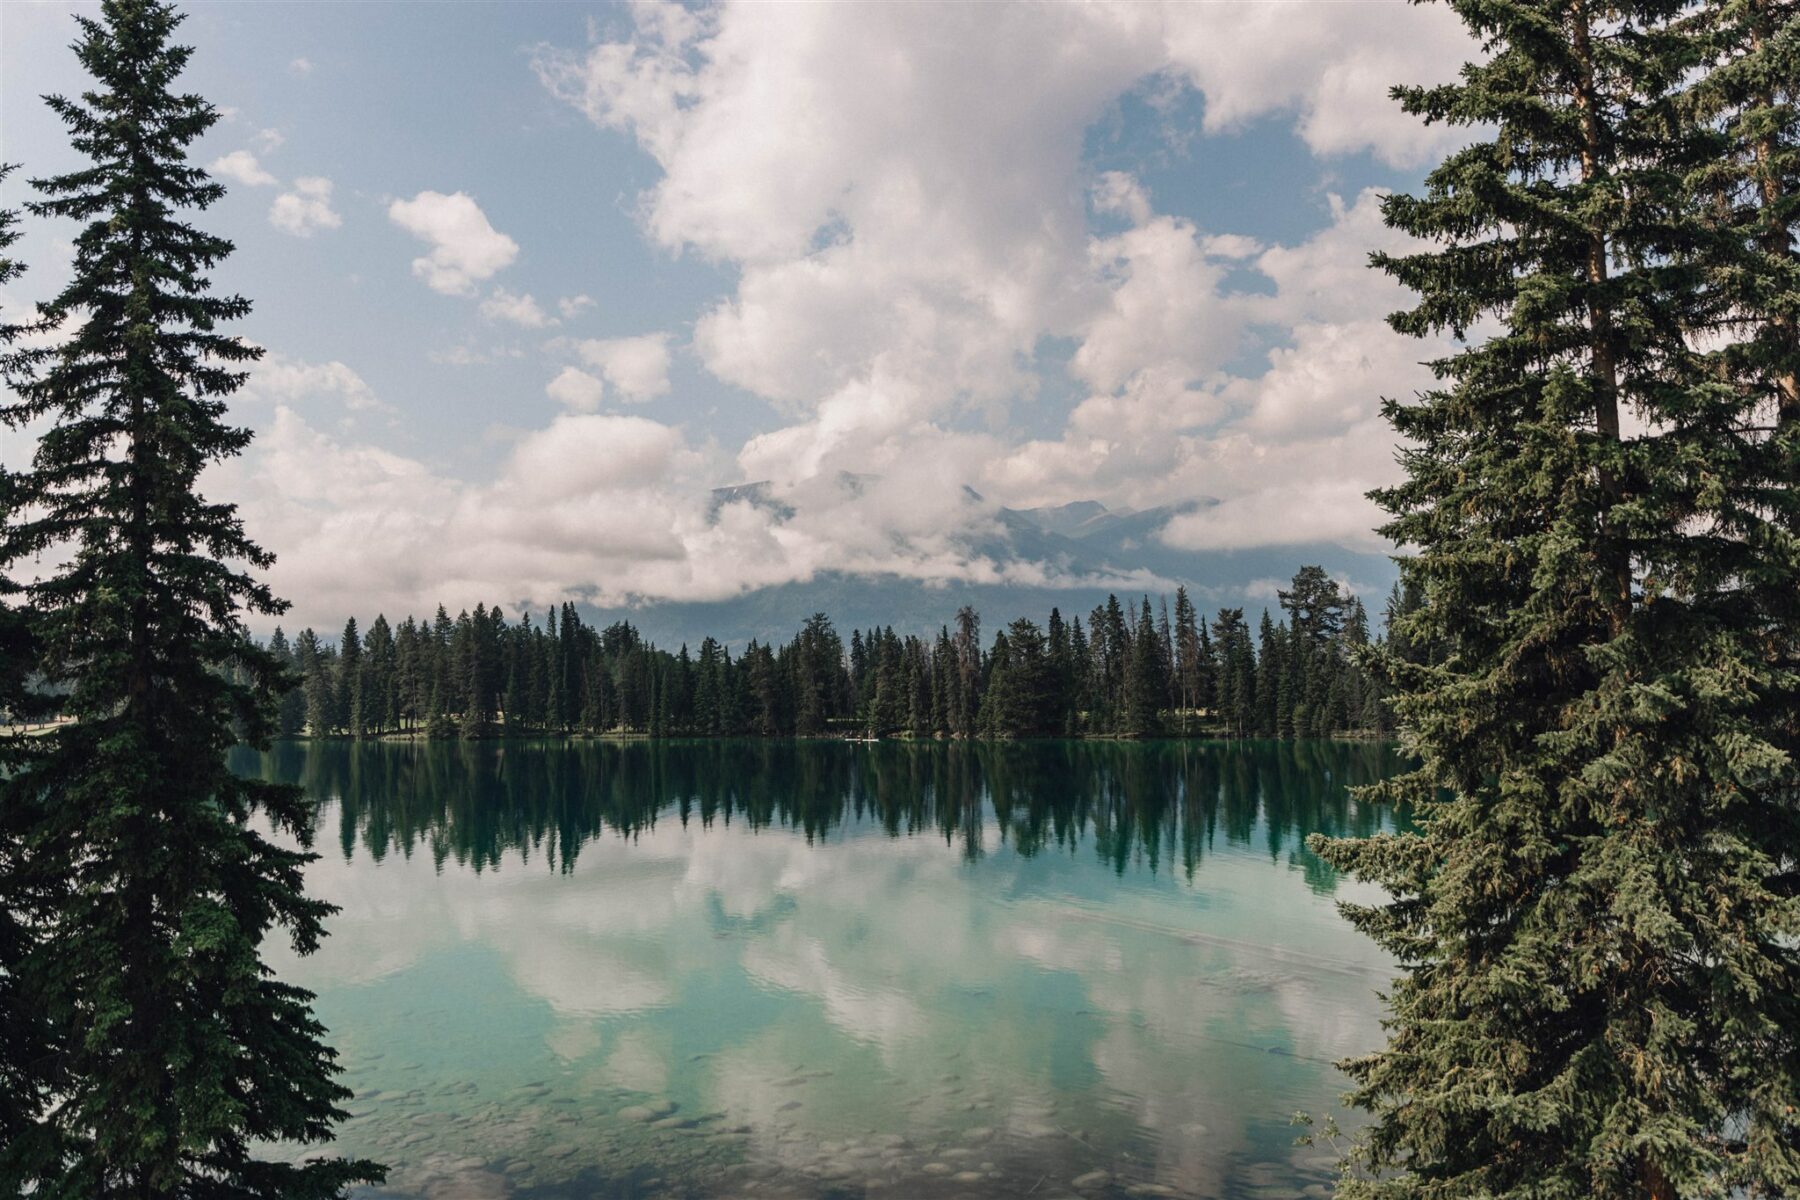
316	683
1190	659
1748	190
1237	672
28	1051
290	712
1145	685
350	680
999	715
145	880
381	700
1080	697
965	694
1597	918
1274	689
943	671
408	675
918	684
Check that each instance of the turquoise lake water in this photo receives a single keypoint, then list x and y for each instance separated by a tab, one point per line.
822	969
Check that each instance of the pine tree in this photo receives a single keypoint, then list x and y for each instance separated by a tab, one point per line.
145	879
381	700
1144	683
16	652
966	693
999	715
350	680
1274	685
1597	919
1189	658
28	1049
315	684
1749	185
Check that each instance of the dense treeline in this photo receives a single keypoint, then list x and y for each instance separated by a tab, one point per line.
1132	669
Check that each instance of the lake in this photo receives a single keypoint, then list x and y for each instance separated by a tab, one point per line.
822	969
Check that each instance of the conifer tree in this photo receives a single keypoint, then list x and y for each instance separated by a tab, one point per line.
1190	657
381	701
350	680
1749	184
1144	685
28	1080
1597	919
143	875
316	689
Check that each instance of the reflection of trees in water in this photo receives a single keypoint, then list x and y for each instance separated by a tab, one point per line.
1148	805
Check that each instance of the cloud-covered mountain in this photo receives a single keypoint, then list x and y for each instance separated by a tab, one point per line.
1088	549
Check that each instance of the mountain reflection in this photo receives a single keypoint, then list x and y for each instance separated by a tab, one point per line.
1155	805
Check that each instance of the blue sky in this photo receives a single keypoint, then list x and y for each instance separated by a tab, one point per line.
534	277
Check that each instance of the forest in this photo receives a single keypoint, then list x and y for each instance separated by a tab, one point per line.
1592	666
1134	669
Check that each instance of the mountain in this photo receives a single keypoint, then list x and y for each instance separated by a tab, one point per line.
1081	540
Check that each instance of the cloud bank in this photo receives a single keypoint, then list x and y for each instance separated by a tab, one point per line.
923	262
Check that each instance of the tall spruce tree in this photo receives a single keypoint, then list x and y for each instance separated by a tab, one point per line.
28	1056
1597	920
142	874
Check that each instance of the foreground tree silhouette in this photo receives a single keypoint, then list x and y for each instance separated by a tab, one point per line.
27	1051
141	884
1597	922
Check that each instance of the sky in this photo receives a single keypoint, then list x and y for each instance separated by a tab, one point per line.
533	279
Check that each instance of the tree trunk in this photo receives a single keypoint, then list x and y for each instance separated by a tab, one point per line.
1600	317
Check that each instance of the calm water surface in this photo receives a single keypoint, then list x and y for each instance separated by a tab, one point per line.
818	969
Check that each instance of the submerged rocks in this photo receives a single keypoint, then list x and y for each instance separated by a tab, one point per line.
653	1111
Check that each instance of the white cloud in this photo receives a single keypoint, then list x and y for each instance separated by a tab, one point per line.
900	197
601	507
469	355
902	193
576	390
465	248
269	140
300	67
1338	511
518	308
1164	311
1117	192
306	209
1328	277
636	367
1330	64
281	379
1288	451
872	215
591	504
240	166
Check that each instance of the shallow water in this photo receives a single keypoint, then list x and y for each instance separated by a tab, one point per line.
818	969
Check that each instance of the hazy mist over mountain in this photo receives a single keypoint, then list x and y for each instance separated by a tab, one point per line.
1084	550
